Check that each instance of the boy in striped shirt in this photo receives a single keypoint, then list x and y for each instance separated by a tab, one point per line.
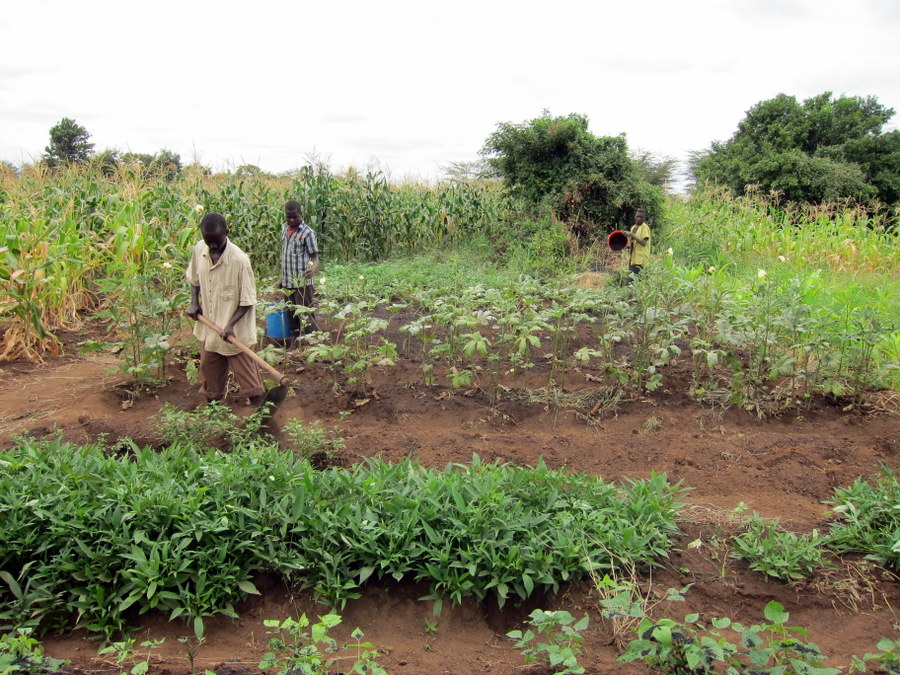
299	264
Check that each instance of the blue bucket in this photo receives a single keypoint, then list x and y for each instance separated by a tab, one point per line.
278	324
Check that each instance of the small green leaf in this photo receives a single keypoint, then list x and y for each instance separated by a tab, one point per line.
248	587
774	612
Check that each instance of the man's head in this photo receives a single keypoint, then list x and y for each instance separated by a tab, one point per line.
292	213
214	232
640	216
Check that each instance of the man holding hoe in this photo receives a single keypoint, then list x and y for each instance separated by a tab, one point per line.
220	274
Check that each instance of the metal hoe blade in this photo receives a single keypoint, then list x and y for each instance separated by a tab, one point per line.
275	396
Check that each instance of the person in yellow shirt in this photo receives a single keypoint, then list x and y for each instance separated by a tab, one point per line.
221	276
640	243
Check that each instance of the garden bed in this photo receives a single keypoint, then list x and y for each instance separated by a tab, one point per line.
734	464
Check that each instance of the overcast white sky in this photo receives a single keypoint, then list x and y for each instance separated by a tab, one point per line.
413	86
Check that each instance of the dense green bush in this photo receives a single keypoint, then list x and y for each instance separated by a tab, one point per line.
99	532
589	182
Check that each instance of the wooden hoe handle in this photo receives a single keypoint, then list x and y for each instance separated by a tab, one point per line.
280	378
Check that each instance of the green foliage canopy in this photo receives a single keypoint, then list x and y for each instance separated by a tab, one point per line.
824	149
556	162
68	143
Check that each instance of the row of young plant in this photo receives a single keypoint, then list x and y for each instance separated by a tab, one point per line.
297	647
694	646
697	644
554	638
866	521
763	340
769	340
62	233
750	340
105	533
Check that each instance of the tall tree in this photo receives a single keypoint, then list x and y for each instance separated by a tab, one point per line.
655	168
468	171
589	181
823	149
68	143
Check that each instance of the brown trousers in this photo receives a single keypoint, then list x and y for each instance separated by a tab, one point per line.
305	323
214	374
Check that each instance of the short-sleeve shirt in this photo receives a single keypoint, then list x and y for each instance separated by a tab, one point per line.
223	287
298	245
640	255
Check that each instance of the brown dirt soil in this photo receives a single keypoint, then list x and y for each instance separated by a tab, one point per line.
781	467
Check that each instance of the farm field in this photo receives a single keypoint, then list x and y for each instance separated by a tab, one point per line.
781	467
493	420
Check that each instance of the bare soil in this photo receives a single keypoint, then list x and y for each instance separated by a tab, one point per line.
784	467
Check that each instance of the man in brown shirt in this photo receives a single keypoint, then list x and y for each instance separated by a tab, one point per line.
220	273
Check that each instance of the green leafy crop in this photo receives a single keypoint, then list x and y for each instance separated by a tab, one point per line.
183	530
782	555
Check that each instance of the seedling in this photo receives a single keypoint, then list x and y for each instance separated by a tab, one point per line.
557	641
693	647
22	653
124	650
776	553
299	651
